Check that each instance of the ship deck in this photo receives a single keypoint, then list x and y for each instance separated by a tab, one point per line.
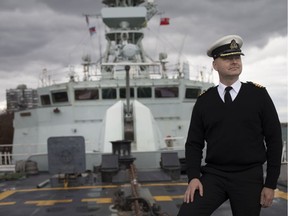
23	197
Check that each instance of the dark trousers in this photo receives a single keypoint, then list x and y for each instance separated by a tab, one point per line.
243	189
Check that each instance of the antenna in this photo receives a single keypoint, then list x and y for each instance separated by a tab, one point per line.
86	65
181	48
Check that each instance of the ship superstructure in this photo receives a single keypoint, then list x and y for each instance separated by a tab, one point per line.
113	143
132	98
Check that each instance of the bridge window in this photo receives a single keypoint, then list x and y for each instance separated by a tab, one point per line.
144	92
45	100
192	93
123	92
59	97
166	92
86	94
109	93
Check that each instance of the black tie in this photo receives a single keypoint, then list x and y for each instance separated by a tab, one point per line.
227	96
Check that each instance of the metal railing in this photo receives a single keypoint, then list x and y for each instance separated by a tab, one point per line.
6	157
6	164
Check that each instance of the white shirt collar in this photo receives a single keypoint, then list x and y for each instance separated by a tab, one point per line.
236	88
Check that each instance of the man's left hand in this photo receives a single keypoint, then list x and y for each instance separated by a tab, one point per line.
267	196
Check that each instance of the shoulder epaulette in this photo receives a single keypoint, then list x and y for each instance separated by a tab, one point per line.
205	91
256	84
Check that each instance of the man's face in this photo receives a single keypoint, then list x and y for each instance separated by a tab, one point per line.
229	66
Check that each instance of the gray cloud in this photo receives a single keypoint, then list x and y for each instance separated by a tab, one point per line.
37	34
254	20
202	21
74	7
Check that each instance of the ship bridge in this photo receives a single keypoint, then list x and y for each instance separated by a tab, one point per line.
119	3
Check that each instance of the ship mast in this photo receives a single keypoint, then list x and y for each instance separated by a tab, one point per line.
125	20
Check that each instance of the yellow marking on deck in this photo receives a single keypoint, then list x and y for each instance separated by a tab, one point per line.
68	188
98	200
165	184
92	187
7	203
280	194
6	194
162	198
178	197
167	198
47	202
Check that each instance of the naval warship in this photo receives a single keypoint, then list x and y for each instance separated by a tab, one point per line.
112	143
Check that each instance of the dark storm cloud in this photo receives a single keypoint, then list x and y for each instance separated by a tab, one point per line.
12	5
34	33
255	20
201	21
52	34
74	7
17	30
28	27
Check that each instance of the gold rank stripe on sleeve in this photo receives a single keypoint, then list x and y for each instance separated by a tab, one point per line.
256	84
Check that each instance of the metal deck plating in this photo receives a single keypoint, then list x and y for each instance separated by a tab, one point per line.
22	197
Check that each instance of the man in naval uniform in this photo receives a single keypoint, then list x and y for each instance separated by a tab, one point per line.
240	126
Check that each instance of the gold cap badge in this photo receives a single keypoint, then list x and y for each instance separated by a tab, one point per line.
233	45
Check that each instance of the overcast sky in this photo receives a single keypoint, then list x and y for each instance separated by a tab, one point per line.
52	34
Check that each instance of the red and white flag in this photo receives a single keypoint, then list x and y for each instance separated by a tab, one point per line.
164	21
92	30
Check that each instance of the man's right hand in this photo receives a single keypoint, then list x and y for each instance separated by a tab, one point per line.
194	185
